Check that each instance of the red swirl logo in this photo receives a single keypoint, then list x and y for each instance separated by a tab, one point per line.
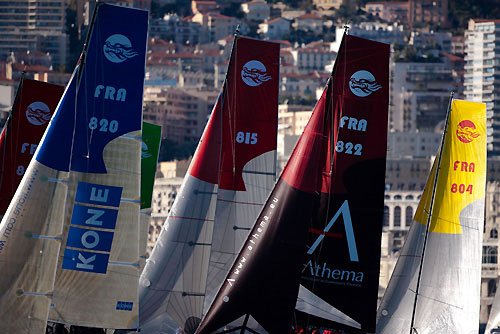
466	131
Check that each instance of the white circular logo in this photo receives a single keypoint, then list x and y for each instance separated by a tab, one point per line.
118	48
363	83
38	113
254	73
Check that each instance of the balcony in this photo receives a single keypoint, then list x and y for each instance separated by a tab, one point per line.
489	270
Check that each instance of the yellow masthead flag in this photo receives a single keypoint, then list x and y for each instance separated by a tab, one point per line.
462	174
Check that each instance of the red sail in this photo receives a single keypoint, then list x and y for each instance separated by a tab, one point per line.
249	123
308	247
31	113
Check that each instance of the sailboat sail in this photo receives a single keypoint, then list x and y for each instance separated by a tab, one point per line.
448	294
227	180
77	207
151	138
320	228
32	110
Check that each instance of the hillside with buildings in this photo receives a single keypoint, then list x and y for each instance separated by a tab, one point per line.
438	46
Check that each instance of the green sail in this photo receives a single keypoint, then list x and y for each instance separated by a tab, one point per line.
151	137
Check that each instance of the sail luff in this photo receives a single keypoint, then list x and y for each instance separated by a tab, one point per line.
431	207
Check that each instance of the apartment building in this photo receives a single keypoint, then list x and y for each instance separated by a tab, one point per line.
482	73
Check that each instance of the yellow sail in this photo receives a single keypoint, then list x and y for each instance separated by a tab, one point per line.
462	172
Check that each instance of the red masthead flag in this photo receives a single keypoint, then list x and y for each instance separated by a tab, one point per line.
315	247
32	110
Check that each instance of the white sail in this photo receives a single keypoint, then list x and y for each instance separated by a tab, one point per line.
228	180
448	293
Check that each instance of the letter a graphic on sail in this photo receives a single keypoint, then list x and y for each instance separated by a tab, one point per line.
351	242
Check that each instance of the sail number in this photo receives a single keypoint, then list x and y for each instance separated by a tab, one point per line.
461	188
20	170
246	137
103	124
348	148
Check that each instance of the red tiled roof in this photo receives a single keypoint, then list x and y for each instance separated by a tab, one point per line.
486	20
30	68
276	20
452	57
309	17
205	2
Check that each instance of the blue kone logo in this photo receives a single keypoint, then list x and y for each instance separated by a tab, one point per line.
118	48
92	228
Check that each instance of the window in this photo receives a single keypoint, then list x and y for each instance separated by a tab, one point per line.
386	216
397	216
490	254
494	233
409	216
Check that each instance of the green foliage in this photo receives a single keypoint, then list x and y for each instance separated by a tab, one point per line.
181	8
233	9
409	54
461	11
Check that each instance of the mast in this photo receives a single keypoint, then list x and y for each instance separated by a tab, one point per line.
431	206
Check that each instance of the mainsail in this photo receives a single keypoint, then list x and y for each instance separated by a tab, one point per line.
77	207
448	286
228	180
151	139
315	245
32	110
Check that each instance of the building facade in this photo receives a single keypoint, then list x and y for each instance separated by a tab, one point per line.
482	73
34	25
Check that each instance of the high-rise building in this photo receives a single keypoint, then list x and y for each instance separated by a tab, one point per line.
34	25
482	72
420	92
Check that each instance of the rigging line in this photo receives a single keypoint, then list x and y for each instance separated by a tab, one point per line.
332	124
232	106
79	75
431	208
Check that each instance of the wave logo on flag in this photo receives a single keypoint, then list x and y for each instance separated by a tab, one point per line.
466	131
145	151
363	83
118	48
38	113
254	73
